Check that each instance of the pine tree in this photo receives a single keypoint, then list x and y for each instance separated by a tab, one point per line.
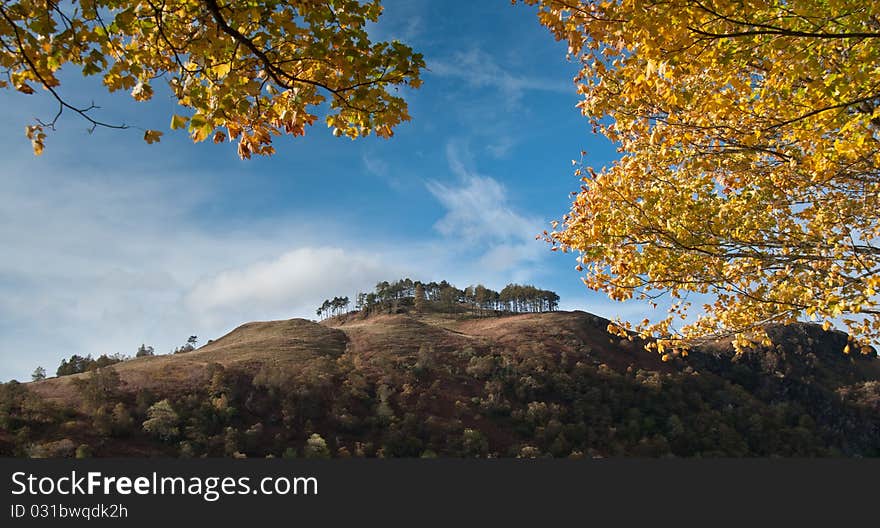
419	301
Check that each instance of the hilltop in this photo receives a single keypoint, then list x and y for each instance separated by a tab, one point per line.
440	384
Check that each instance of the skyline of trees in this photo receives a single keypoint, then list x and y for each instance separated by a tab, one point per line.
444	297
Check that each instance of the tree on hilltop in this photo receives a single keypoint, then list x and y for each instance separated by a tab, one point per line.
442	296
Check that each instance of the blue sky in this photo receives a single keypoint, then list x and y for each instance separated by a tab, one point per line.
109	243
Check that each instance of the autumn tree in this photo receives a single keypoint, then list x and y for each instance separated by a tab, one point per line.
244	71
748	168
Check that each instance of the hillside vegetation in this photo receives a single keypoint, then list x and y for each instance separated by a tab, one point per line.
438	384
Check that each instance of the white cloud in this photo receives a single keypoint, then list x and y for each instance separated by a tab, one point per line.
293	283
478	213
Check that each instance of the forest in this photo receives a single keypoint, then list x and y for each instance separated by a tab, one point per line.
536	390
552	398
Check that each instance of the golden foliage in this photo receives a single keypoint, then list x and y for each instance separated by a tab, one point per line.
257	69
748	171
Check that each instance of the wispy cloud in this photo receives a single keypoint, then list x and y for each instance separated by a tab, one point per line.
479	69
498	97
381	169
478	214
501	147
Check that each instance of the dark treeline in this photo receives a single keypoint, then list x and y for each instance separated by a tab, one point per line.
444	297
78	364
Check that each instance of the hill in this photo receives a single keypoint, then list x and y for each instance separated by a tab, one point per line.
407	384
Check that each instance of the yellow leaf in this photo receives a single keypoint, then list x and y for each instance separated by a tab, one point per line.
178	122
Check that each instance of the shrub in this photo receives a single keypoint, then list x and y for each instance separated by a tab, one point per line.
60	449
162	420
122	420
316	447
100	387
474	444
